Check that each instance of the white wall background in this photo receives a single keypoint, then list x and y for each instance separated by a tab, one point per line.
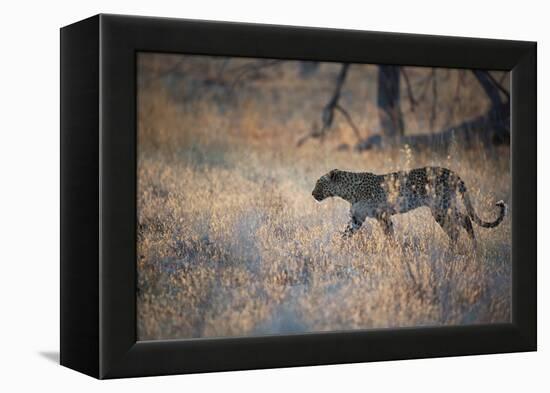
29	193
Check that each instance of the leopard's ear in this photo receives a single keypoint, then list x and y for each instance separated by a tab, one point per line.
333	175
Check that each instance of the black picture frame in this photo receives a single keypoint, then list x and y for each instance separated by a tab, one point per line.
98	195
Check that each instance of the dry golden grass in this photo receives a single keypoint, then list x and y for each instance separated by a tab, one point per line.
231	242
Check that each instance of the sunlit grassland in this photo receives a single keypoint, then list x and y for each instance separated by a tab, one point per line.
231	242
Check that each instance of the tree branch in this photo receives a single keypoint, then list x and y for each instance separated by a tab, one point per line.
488	85
327	116
249	68
434	99
350	121
412	100
499	85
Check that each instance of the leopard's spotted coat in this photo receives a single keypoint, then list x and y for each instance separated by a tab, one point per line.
381	196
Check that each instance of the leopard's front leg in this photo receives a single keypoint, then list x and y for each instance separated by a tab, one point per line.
353	226
387	226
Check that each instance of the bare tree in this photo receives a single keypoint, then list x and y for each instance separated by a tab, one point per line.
390	115
492	127
489	128
498	115
333	105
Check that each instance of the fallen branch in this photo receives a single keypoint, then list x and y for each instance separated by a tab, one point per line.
489	129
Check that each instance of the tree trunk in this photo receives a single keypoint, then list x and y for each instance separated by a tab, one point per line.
499	113
389	108
491	128
308	68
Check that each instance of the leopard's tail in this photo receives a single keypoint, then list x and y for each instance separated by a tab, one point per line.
472	213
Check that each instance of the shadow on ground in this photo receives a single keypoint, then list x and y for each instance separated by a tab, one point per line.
52	356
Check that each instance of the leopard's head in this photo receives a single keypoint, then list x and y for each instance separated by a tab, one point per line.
328	185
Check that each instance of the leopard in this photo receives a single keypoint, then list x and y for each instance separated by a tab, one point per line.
382	196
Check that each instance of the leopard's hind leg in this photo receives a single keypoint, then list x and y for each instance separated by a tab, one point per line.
445	213
466	223
449	224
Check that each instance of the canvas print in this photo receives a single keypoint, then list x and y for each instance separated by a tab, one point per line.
288	197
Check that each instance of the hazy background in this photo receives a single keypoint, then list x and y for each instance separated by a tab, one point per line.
230	241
